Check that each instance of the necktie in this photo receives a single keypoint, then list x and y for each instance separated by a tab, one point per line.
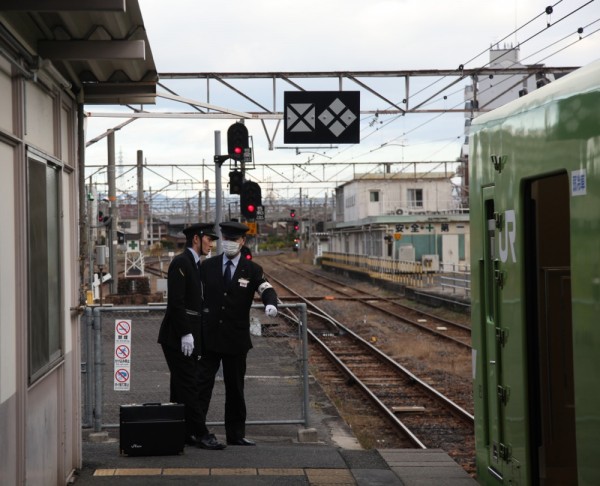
227	275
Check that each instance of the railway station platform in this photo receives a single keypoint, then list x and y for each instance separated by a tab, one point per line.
273	462
326	453
321	451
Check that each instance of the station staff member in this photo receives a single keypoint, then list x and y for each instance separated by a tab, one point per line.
226	325
179	333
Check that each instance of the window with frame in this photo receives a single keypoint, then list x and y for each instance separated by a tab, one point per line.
374	196
372	243
415	198
45	275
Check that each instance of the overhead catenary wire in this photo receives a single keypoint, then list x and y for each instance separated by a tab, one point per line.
537	52
545	12
379	128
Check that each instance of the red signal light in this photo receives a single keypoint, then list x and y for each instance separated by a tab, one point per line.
250	199
246	253
237	140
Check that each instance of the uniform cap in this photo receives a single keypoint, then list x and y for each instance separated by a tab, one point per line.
233	229
200	229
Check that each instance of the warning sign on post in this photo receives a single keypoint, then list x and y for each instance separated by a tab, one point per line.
252	227
122	355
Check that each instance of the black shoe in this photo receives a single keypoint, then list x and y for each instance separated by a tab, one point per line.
210	442
191	439
243	442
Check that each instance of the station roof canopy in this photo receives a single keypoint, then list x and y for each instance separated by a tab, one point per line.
99	47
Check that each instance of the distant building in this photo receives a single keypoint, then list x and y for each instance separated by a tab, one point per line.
155	229
401	216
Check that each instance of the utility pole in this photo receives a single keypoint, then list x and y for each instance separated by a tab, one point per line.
140	197
218	189
200	206
91	240
151	219
113	214
206	201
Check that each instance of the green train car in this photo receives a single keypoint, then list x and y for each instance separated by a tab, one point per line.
535	246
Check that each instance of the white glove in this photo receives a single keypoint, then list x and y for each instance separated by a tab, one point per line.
187	344
271	311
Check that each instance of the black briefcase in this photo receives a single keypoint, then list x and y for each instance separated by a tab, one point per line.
152	429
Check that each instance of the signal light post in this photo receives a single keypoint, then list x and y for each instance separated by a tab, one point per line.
238	146
238	150
237	141
250	199
236	180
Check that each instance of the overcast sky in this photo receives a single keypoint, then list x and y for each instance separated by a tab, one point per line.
332	35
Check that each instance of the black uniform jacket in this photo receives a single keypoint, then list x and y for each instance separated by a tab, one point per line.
226	312
184	303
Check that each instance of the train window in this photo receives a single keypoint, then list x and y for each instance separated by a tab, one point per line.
44	336
490	255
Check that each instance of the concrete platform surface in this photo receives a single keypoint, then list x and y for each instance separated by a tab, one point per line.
272	463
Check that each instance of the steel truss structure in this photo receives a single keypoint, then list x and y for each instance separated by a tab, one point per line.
376	101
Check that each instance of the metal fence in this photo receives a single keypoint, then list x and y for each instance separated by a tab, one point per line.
122	363
398	271
456	283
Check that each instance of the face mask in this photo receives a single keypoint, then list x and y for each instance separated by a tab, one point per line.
231	248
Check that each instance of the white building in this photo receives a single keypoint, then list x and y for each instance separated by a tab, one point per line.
401	216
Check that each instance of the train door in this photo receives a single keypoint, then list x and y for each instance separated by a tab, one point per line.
549	332
493	421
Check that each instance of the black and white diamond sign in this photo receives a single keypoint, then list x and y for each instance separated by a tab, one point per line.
321	117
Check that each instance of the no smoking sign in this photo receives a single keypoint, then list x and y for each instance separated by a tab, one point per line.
122	356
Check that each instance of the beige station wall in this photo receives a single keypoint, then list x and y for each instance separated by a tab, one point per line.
40	420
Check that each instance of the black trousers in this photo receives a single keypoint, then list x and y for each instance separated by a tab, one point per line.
234	371
185	373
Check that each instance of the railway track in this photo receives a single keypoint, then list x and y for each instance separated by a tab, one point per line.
444	328
415	408
421	414
432	356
